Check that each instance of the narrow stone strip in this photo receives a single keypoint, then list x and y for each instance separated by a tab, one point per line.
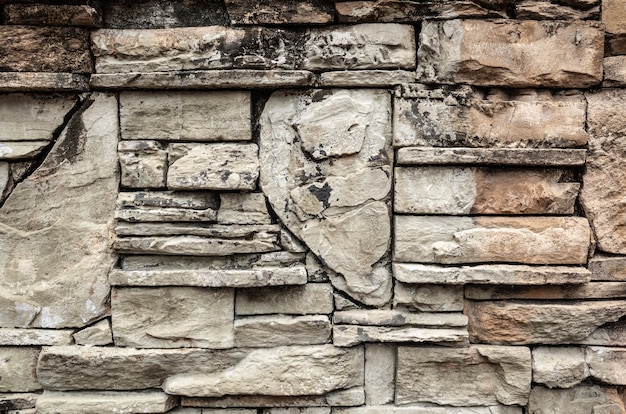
42	82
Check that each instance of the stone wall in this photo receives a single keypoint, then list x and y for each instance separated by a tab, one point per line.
313	207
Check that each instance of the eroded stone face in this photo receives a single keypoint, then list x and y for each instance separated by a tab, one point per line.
330	186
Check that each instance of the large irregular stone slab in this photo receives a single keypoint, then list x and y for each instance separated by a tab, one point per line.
173	317
311	298
604	181
511	53
539	323
593	290
17	369
277	330
607	364
52	15
303	12
281	371
186	116
43	82
472	190
450	376
326	167
24	337
532	240
582	399
55	227
52	402
462	116
558	366
153	14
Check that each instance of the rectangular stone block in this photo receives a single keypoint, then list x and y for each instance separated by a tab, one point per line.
366	78
471	190
380	317
559	366
428	298
609	334
430	409
243	208
44	49
21	150
380	372
213	166
606	364
259	12
608	268
532	240
478	375
52	15
614	71
312	298
593	290
523	53
188	116
173	317
163	206
465	117
25	337
43	82
581	399
18	365
52	402
143	164
98	334
277	330
350	335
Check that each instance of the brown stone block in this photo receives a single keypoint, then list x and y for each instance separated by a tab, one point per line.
52	15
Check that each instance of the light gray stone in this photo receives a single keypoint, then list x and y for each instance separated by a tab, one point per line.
593	290
53	402
350	335
21	150
606	364
312	298
25	337
159	206
43	82
582	399
173	317
55	258
609	268
429	409
380	372
298	410
17	369
5	175
559	367
187	116
243	208
32	117
379	317
366	78
98	334
504	373
18	401
142	164
428	298
260	233
192	246
281	371
609	334
291	243
275	330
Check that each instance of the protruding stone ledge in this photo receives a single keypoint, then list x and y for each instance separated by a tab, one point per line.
240	278
350	335
25	337
593	290
279	330
312	298
491	156
42	82
52	402
430	409
365	78
398	318
20	150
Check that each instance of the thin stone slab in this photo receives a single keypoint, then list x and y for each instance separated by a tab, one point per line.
17	401
243	209
43	82
186	116
559	366
98	334
52	15
198	79
312	298
581	399
452	240
15	150
491	274
26	337
281	12
277	330
540	54
366	78
154	216
32	117
428	298
399	318
608	268
260	232
492	156
430	409
18	369
606	364
52	402
163	206
192	246
609	334
350	335
449	376
593	290
215	278
546	10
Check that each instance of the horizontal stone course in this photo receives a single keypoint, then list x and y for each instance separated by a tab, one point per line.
52	402
43	82
491	156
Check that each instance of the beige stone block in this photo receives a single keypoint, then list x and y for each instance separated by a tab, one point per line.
581	399
558	366
614	71
277	330
614	16
43	82
163	206
52	15
609	268
17	369
26	337
243	208
32	117
312	298
380	372
350	335
143	164
381	317
428	298
53	402
98	334
607	364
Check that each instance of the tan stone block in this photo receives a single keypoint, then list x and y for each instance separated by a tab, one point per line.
52	15
43	82
17	369
380	372
609	268
53	402
593	290
614	16
607	364
25	337
428	298
581	399
350	335
98	334
278	330
142	164
558	366
243	208
312	298
614	71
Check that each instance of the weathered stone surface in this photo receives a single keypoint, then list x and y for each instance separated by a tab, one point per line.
346	191
161	206
32	117
604	182
13	150
491	274
559	367
5	178
430	409
504	372
491	156
54	259
52	15
614	71
539	323
607	364
142	164
24	337
243	208
53	402
350	335
231	166
152	14
270	276
465	117
173	317
609	268
98	334
17	369
609	334
380	372
312	298
471	190
17	401
280	12
188	410
366	78
520	53
275	330
281	371
582	399
593	290
428	298
546	10
532	240
188	116
42	82
291	243
379	317
614	16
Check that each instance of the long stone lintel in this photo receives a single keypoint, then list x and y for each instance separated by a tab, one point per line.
43	82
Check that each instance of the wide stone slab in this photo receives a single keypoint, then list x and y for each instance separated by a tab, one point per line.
173	317
471	190
462	116
582	399
17	369
532	240
278	330
43	82
186	116
449	376
380	317
512	53
52	402
326	166
520	323
23	337
281	371
366	78
54	238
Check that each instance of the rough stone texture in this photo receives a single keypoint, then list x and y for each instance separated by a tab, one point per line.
471	190
609	334
380	371
282	371
607	364
546	10
614	71
582	399
350	335
98	334
430	409
232	166
466	117
347	190
5	176
428	298
173	317
164	206
614	16
142	164
17	369
366	78
274	330
49	49
604	185
25	337
18	401
532	240
52	15
74	191
186	116
151	14
504	373
609	268
593	290
312	298
512	53
539	323
32	117
280	12
21	150
491	274
42	82
243	208
53	402
559	367
379	317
